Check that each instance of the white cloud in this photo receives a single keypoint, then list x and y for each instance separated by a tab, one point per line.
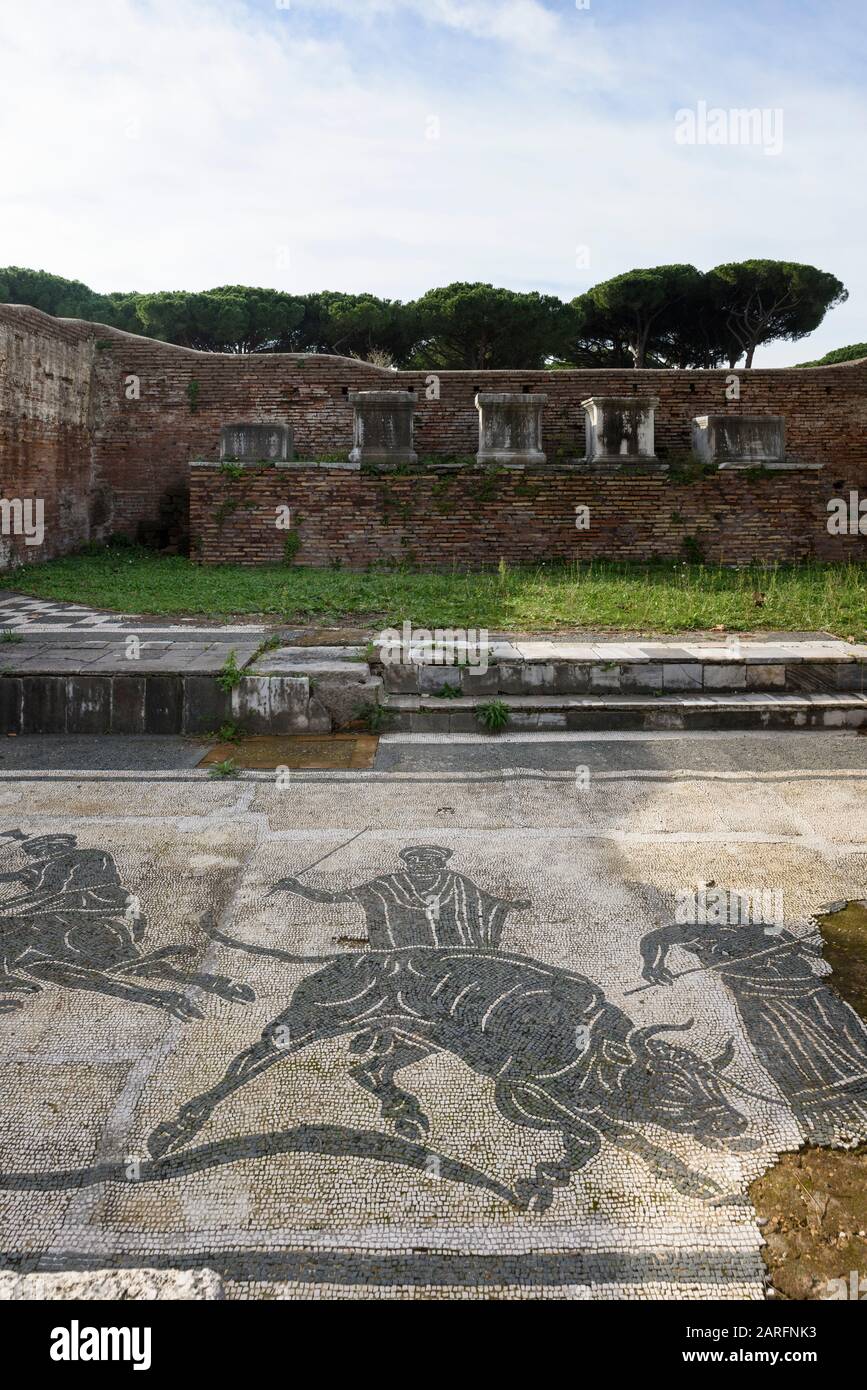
187	144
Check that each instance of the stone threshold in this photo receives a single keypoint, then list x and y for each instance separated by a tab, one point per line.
542	668
746	651
541	714
544	702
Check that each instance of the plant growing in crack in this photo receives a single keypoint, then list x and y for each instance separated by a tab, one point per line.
494	715
227	768
375	718
231	674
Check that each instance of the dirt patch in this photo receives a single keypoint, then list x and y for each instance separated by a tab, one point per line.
813	1203
845	934
265	752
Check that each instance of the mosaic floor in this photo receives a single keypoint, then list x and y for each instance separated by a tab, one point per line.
416	1035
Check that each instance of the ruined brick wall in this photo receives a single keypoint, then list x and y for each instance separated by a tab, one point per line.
472	519
108	453
186	397
45	431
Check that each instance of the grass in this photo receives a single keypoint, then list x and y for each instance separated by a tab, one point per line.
494	715
227	768
230	674
661	597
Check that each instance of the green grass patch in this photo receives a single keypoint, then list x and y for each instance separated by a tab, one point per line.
494	715
663	597
227	768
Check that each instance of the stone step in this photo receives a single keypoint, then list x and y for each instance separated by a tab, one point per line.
770	647
758	710
621	669
148	702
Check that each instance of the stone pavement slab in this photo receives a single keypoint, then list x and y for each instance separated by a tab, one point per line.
112	1285
97	657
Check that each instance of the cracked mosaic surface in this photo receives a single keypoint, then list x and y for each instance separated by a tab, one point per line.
430	1035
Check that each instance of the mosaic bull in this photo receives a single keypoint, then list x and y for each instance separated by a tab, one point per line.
75	925
561	1057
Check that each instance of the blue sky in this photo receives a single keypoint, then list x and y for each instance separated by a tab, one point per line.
393	145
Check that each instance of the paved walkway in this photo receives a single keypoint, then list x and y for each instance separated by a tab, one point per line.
60	623
429	1031
48	619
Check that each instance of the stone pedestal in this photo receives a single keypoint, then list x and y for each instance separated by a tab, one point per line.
256	443
740	441
382	430
510	428
620	429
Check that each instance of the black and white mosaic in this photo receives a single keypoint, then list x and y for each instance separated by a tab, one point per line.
445	1055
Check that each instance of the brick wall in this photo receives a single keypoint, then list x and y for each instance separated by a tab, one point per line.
107	461
466	519
45	432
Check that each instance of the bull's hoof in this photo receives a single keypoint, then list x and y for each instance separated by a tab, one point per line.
534	1196
407	1116
179	1006
412	1129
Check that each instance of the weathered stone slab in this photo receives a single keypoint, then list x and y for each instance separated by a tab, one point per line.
163	704
761	676
382	429
605	677
739	439
681	676
275	705
724	676
88	709
10	704
111	1285
43	708
128	704
644	677
510	428
207	706
268	443
571	677
620	428
339	702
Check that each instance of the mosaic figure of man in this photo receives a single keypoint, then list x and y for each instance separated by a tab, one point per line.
425	904
811	1042
70	893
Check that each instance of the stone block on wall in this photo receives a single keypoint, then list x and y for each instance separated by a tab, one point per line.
745	440
382	428
256	443
620	429
510	427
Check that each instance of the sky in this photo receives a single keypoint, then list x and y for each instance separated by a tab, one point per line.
395	145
